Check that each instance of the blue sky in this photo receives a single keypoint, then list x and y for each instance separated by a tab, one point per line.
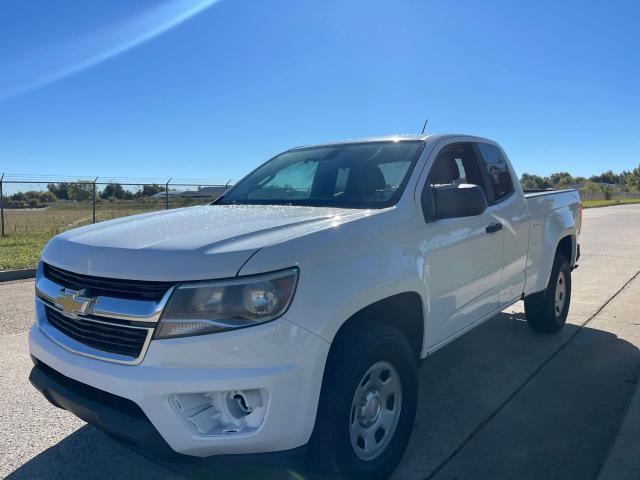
209	89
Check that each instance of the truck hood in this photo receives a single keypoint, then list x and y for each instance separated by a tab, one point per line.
196	243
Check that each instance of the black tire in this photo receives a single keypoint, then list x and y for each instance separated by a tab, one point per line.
353	353
542	312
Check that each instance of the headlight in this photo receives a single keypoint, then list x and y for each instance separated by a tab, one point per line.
209	307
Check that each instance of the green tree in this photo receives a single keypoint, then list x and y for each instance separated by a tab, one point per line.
632	179
151	190
30	199
113	190
561	179
60	190
590	187
80	191
606	177
534	182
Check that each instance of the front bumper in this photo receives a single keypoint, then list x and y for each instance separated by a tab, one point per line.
279	357
126	422
110	413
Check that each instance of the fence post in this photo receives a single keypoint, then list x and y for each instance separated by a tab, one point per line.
166	195
2	205
94	199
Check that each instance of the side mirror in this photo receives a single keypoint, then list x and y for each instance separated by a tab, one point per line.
453	201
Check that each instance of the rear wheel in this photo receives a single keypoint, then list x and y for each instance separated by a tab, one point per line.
367	405
547	313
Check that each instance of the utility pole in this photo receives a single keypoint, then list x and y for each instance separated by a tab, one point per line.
166	194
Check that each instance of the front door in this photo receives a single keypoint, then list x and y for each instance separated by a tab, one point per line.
462	256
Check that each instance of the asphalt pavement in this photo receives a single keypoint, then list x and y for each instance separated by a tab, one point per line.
500	402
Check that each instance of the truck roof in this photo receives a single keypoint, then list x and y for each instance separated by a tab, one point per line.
394	138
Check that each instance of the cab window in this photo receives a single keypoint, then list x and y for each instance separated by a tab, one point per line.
456	164
497	170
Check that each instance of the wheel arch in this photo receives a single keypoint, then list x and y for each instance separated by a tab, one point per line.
403	311
567	247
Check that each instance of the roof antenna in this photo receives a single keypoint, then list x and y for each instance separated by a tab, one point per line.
424	127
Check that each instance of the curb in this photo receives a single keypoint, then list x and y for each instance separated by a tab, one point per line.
611	205
10	275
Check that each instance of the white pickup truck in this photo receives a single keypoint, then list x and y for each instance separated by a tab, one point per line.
291	315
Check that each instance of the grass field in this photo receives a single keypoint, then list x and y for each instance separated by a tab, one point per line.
28	230
63	216
22	250
608	203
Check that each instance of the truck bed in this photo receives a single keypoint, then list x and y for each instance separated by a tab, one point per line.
550	211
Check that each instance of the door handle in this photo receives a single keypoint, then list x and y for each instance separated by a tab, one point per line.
493	227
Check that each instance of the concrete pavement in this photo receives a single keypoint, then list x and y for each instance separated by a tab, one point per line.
500	402
623	461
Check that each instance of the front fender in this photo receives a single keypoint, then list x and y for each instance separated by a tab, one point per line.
344	269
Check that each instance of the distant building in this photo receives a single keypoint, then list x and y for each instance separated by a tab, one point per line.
201	192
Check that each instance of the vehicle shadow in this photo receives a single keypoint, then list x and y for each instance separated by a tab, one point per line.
508	402
91	454
539	400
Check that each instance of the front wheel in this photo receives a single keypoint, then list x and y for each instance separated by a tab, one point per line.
367	405
549	313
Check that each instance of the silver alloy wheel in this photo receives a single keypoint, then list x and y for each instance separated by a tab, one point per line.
375	410
561	293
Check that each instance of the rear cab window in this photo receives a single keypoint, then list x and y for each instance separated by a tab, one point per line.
497	171
456	164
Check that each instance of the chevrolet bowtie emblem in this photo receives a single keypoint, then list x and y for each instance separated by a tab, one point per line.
73	302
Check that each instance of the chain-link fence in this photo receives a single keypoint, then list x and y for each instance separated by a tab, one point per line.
49	207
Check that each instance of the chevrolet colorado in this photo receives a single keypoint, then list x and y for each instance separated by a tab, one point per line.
291	314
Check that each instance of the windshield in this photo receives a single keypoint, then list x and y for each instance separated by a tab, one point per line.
358	175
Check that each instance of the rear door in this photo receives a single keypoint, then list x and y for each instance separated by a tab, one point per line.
509	208
463	256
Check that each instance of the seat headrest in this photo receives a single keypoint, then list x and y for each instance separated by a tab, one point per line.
364	182
445	170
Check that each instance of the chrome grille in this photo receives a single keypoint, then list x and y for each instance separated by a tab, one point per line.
104	318
110	287
114	338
